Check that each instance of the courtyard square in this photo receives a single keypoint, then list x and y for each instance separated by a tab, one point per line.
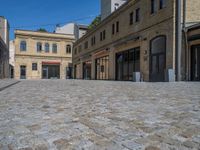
99	115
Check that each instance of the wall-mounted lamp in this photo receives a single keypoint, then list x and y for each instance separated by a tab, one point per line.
107	49
144	39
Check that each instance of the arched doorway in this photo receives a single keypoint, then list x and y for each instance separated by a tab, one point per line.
158	59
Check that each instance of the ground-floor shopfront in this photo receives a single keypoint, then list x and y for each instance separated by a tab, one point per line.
128	62
51	71
146	56
192	58
32	68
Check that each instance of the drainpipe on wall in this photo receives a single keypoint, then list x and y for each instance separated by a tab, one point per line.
178	40
184	13
186	42
186	54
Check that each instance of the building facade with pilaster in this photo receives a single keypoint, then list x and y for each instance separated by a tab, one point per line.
135	43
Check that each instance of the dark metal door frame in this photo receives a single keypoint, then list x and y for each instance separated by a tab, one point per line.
23	76
151	76
195	63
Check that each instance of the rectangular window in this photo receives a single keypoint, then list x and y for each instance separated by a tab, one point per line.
93	40
104	34
101	36
153	6
117	26
79	48
23	46
54	48
86	45
137	15
113	28
34	66
162	4
46	47
39	47
75	51
131	18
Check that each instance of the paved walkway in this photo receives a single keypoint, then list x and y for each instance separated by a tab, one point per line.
5	83
99	115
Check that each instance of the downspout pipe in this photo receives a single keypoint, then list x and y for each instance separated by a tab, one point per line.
184	14
186	42
178	40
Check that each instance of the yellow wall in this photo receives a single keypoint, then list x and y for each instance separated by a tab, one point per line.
32	56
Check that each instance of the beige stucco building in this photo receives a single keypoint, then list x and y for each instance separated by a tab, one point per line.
136	42
42	55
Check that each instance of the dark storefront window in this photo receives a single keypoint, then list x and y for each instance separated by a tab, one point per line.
50	71
102	68
195	63
68	72
127	62
87	67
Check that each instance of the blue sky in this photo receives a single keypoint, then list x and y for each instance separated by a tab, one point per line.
34	14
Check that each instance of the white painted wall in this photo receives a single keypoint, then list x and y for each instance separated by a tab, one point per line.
4	30
12	53
109	6
66	29
73	29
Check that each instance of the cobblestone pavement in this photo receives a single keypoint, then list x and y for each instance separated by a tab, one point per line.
98	115
6	83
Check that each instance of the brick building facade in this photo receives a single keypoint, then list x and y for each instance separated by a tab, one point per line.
136	42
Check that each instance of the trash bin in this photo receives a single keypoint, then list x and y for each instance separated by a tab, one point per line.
170	75
136	77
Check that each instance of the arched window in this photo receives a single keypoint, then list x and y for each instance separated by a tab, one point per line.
158	59
39	46
46	47
68	49
23	46
54	48
158	45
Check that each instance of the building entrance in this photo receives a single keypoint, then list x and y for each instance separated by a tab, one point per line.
102	68
195	63
87	67
50	71
127	62
22	72
158	59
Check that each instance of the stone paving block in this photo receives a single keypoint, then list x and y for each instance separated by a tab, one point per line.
100	115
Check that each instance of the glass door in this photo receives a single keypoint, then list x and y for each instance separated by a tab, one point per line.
22	72
158	59
44	72
195	63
